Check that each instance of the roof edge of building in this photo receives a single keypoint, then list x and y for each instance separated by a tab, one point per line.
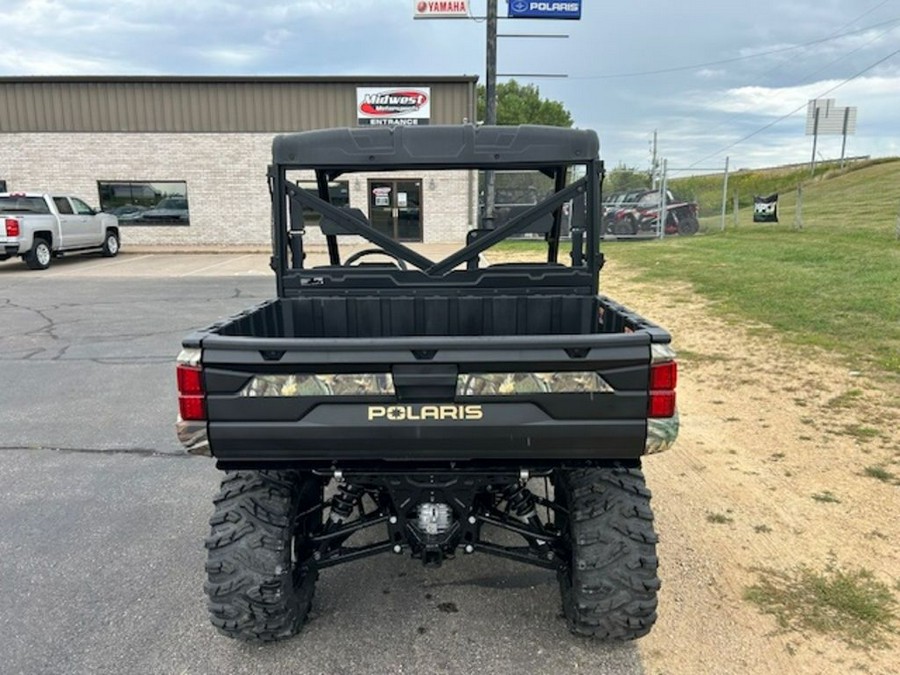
262	79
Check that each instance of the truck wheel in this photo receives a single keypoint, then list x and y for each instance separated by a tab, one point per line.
111	244
260	580
38	258
610	581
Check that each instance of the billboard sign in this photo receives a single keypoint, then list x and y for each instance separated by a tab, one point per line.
533	9
823	117
440	9
393	105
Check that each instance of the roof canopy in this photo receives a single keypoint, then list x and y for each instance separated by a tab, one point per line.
436	147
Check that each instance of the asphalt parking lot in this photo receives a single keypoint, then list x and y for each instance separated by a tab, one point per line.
102	515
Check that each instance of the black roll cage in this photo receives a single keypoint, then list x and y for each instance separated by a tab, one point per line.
413	149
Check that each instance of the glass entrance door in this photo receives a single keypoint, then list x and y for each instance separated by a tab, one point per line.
395	208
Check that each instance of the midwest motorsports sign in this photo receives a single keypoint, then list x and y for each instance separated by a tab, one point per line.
393	105
529	9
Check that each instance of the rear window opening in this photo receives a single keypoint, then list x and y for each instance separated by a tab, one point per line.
23	205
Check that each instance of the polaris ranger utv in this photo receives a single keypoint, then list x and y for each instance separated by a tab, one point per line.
433	408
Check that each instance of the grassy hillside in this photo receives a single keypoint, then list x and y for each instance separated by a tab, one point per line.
834	284
707	190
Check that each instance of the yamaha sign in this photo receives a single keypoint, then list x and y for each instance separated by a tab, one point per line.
440	9
530	9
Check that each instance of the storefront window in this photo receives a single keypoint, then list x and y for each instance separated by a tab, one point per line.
145	203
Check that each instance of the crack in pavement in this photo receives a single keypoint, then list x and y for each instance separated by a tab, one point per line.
47	329
138	452
99	360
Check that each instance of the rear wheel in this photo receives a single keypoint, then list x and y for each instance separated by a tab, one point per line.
111	244
38	258
626	226
610	583
688	226
261	575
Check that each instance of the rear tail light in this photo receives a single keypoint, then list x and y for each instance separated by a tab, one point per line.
191	394
662	413
663	378
662	404
12	227
663	375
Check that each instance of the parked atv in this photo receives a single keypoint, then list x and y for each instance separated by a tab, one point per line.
431	403
639	214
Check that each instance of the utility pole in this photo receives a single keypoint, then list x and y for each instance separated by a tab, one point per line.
663	214
844	131
725	193
653	167
812	163
490	107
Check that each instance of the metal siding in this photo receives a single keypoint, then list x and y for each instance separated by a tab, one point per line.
84	107
10	118
278	108
140	112
200	105
61	108
21	108
44	106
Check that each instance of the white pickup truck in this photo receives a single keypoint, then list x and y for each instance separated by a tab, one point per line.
38	227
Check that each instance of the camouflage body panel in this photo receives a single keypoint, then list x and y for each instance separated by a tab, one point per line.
340	384
507	384
661	433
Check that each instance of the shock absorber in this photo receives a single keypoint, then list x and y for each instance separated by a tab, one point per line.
523	505
346	497
521	502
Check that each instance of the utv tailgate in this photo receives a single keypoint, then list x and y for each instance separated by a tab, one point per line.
427	416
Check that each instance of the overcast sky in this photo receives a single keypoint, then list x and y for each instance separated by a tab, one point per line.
737	66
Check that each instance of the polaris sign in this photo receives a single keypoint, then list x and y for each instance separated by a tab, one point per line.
527	9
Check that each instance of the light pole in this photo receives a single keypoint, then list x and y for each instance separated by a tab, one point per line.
490	105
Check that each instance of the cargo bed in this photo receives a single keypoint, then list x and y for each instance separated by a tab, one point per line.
385	316
428	347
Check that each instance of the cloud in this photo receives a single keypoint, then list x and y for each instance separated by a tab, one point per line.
792	51
779	101
697	111
287	11
231	56
275	37
50	62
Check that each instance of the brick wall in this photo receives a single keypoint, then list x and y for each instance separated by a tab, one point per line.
225	176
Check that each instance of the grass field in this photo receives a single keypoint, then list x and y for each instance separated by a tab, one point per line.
707	190
833	284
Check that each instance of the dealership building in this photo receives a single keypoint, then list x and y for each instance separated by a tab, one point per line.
182	160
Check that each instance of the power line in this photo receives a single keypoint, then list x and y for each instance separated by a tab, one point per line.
734	59
796	110
805	77
866	13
